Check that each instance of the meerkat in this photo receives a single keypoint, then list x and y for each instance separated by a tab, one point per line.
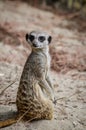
35	94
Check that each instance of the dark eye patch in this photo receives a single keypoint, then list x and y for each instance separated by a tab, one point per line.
31	37
41	38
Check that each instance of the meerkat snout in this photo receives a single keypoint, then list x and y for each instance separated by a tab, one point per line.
38	39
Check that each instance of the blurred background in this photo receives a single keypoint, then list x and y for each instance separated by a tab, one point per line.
66	5
65	21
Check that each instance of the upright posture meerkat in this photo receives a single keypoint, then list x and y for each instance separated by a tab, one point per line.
35	94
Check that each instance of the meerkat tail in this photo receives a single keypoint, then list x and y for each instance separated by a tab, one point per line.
8	122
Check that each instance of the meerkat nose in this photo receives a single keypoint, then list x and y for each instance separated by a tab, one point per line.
34	45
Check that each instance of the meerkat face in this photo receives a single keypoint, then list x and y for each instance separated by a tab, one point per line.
38	39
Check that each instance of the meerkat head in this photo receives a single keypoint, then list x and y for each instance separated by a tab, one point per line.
38	39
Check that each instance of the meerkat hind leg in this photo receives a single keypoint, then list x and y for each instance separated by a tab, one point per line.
46	111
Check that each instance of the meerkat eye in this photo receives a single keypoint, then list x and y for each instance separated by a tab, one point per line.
41	38
31	37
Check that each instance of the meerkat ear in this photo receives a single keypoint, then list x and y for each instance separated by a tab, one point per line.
27	37
49	39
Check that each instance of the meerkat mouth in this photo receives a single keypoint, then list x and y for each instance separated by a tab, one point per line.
37	47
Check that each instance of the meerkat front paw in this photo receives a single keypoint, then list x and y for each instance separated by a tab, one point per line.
52	98
55	101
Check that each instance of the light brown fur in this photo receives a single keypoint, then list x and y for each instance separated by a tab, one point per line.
35	92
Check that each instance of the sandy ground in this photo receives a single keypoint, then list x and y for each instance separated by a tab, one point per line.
68	68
